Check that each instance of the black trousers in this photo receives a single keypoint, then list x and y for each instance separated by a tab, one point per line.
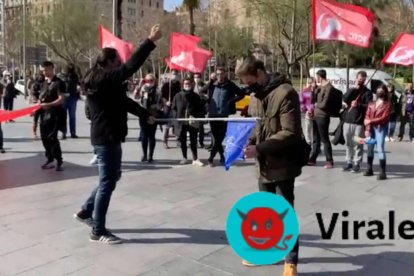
321	135
201	134
407	119
49	136
193	141
218	131
148	138
286	189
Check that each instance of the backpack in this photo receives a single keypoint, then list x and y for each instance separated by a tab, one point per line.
335	103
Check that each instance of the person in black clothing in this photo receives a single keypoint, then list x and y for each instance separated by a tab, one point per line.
150	99
199	89
109	106
51	98
223	95
357	100
395	109
35	91
10	92
168	92
321	120
187	104
72	83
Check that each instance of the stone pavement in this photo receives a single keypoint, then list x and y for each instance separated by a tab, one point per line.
173	217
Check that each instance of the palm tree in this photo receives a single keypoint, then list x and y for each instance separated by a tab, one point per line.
191	5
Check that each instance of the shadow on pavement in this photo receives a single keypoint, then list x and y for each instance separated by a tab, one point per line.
382	264
196	236
27	172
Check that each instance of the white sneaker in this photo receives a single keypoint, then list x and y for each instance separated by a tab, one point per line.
198	163
387	139
392	139
94	160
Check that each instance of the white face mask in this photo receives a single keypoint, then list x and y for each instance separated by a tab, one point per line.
187	88
196	79
174	77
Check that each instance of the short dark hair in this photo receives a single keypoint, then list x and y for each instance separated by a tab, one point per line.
187	78
387	92
106	55
250	66
48	64
321	73
362	74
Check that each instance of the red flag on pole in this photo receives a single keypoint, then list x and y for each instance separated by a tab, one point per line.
107	39
186	55
342	22
402	51
11	115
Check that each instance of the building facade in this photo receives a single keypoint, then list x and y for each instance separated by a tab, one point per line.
2	35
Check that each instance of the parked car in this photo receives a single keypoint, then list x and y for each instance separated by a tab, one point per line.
19	85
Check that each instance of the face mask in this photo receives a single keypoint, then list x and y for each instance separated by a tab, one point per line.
257	89
196	79
174	77
150	85
187	88
381	95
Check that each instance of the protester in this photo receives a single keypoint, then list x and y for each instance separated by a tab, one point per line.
223	95
187	104
407	113
71	79
275	137
307	108
321	120
109	105
35	94
150	100
376	126
1	141
356	101
94	160
51	98
199	86
395	109
206	91
10	92
168	92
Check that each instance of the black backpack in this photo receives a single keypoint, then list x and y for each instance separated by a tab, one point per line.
334	104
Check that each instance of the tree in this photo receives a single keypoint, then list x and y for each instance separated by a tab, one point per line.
71	38
281	32
191	5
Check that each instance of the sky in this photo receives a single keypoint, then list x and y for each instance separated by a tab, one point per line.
170	4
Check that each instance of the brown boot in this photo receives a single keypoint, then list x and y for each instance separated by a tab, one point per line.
290	270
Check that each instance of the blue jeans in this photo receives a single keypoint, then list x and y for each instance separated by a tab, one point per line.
109	164
393	125
378	133
71	103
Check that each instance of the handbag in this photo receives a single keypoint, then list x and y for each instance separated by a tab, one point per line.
191	123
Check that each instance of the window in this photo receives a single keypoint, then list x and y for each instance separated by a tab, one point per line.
142	13
158	5
248	13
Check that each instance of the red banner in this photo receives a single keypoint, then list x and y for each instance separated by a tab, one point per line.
186	55
107	39
402	51
342	22
11	115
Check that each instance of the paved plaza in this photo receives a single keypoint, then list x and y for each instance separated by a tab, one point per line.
173	217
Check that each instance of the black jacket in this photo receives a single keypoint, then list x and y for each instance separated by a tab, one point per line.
108	101
184	105
356	115
222	98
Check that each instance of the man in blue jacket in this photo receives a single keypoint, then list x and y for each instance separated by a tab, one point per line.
223	95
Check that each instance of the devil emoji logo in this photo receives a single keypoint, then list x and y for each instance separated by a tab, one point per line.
262	228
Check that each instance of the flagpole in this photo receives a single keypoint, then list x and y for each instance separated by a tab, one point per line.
347	72
225	119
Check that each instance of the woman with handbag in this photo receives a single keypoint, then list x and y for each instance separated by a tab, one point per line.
376	126
150	100
187	104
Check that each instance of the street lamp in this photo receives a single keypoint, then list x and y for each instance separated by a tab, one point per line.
24	50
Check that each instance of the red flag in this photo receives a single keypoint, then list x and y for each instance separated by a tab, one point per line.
186	55
402	51
107	39
11	115
342	22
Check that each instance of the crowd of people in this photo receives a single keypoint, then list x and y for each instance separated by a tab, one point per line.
363	114
278	143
